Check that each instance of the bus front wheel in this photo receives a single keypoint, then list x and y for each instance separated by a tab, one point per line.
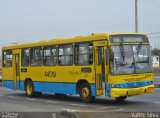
85	93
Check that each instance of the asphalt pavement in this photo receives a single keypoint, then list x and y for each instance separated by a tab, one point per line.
50	105
156	77
15	104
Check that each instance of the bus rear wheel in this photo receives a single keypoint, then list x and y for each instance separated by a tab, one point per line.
85	93
121	98
29	89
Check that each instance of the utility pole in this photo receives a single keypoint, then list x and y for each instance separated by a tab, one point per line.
136	16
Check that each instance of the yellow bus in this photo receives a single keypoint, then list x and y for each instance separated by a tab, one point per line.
116	65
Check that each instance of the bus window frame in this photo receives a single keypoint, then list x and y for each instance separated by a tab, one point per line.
53	47
22	57
93	53
9	58
41	59
72	44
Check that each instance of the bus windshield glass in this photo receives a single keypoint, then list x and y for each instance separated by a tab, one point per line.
130	59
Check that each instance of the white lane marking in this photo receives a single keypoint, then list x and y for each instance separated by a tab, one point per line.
110	109
52	102
116	110
30	99
53	115
69	110
105	107
78	105
156	102
40	100
12	97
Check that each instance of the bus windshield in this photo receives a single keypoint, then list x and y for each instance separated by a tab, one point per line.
130	59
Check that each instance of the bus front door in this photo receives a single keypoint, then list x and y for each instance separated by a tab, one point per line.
99	68
16	71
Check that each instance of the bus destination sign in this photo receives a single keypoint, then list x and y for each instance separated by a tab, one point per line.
128	39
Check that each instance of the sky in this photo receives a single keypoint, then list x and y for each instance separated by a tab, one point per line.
33	20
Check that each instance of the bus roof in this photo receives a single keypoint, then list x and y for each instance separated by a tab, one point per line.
57	41
92	37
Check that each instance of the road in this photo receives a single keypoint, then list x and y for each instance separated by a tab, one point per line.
156	77
16	101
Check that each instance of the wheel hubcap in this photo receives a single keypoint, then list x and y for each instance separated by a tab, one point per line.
85	92
29	89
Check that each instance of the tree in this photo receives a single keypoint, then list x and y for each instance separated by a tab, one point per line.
156	51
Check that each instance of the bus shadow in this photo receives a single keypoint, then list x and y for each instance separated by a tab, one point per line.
76	99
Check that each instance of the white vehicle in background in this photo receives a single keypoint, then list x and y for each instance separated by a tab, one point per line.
155	61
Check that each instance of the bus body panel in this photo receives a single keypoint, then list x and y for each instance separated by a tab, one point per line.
57	79
118	92
130	78
128	82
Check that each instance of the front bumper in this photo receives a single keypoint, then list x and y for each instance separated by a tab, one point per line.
118	92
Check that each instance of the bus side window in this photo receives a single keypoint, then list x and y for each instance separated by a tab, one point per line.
65	54
25	57
7	58
49	56
83	54
36	56
90	53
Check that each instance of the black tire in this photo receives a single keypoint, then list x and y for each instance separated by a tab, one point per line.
29	88
85	93
121	98
32	93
